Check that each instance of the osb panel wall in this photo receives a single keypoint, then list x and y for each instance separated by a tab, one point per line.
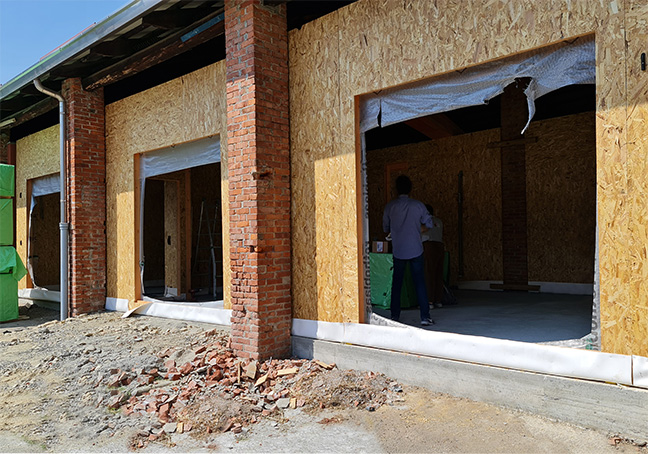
561	199
372	44
623	202
434	167
173	260
184	109
37	155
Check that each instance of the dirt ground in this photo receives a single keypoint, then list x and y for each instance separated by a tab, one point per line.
101	383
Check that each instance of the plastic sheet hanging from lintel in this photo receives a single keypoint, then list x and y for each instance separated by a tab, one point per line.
172	159
549	68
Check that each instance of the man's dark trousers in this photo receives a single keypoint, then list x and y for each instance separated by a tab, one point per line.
417	268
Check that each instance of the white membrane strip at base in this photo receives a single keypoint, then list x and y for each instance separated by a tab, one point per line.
116	304
191	312
564	362
39	294
640	371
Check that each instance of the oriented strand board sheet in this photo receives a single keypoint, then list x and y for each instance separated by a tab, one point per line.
634	315
614	202
561	199
318	193
184	109
37	155
172	260
434	168
374	44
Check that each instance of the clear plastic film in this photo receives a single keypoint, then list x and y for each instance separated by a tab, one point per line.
549	68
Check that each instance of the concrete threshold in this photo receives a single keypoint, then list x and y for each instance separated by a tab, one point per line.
616	409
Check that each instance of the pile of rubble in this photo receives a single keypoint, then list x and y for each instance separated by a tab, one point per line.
215	391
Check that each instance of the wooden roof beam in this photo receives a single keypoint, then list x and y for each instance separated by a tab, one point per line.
435	126
177	18
116	48
162	51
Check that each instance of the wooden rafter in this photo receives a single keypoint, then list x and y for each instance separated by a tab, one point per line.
435	126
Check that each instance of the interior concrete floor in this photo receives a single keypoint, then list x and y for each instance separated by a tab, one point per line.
519	316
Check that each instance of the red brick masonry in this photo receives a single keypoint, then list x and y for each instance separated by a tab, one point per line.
259	177
86	197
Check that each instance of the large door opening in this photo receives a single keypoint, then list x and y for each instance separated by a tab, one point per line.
181	254
458	164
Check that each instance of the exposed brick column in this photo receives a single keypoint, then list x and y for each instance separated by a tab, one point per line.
259	177
514	207
86	197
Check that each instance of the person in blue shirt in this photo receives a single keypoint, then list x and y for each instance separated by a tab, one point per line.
402	220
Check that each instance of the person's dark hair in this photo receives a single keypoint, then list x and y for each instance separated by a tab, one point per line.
403	185
430	209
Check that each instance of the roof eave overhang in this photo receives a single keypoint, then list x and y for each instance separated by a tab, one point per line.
123	17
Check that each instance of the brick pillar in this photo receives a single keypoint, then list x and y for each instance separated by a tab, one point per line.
514	209
86	197
259	177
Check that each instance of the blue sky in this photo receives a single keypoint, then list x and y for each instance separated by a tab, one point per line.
30	29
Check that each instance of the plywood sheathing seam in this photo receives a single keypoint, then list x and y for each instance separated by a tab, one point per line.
184	109
37	155
383	44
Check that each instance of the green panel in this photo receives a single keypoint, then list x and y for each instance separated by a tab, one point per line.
7	180
6	222
381	269
11	264
8	298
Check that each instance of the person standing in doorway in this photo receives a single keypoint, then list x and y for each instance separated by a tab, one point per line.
433	251
402	219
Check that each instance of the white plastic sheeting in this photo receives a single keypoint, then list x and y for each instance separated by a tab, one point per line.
549	68
172	159
193	312
50	184
47	185
640	371
547	359
180	157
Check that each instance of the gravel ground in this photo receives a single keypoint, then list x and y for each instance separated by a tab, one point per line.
55	396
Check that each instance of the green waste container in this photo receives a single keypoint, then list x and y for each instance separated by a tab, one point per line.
11	271
6	222
381	271
7	180
8	297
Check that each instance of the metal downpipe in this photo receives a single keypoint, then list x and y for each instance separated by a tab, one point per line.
63	225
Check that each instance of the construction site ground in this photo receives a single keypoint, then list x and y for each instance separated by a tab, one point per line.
103	383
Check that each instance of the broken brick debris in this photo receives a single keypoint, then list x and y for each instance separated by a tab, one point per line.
266	388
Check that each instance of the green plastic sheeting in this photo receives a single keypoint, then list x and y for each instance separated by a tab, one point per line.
8	298
11	264
381	268
6	222
6	180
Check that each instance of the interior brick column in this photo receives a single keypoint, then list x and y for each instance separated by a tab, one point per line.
86	197
259	177
514	207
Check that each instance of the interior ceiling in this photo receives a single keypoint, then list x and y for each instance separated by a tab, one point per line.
568	100
177	37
